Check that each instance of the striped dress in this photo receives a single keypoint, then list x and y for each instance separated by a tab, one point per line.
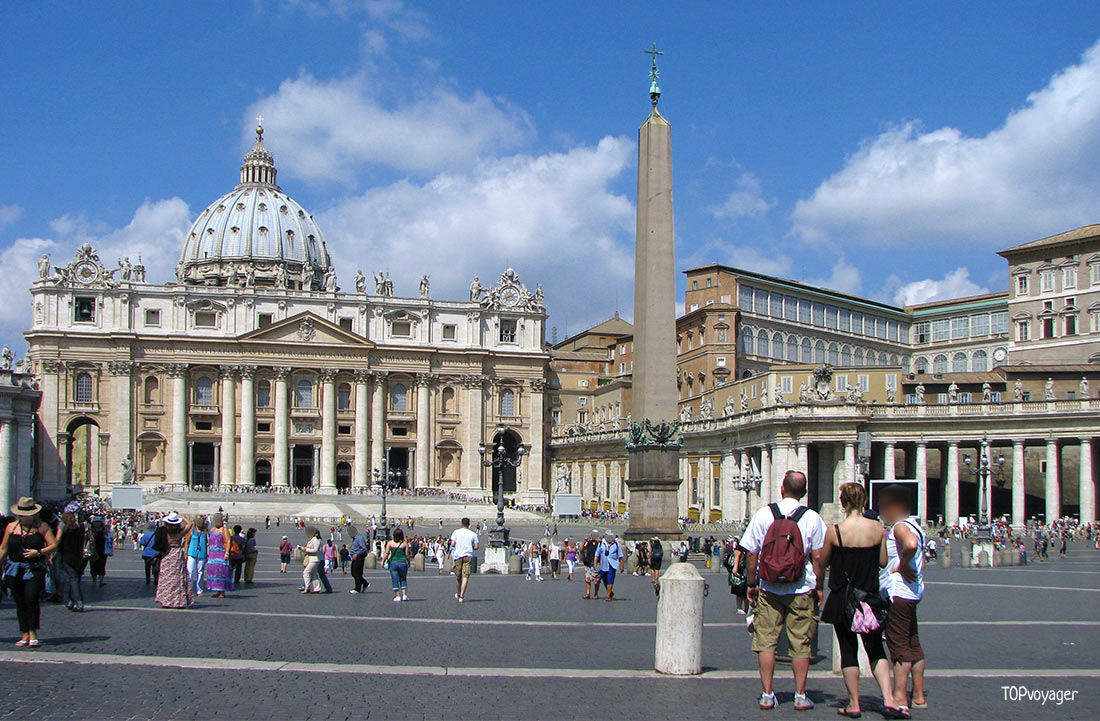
219	574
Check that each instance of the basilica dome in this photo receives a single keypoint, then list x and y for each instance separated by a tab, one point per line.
255	235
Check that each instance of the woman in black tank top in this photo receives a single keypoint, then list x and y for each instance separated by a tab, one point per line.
27	545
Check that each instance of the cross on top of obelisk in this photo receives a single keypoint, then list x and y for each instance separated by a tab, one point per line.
654	74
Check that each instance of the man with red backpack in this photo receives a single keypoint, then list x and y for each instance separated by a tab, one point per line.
784	542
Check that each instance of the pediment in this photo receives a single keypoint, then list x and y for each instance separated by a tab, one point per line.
305	328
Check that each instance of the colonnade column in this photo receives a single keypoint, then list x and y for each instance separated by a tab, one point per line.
951	492
1019	484
177	468
746	472
228	466
360	474
1053	492
1087	492
8	490
921	475
802	452
420	477
328	429
377	419
781	463
246	472
849	474
727	492
281	470
766	474
889	473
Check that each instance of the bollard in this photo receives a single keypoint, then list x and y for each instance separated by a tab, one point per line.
945	557
632	563
966	554
515	565
418	562
679	647
370	562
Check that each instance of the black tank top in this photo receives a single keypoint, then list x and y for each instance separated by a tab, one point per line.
20	542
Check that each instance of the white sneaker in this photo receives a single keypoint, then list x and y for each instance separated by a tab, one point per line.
397	599
353	592
461	599
767	701
802	702
457	597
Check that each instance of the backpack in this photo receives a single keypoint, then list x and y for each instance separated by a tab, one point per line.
783	555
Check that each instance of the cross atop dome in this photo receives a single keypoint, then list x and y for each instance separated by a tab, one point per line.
259	163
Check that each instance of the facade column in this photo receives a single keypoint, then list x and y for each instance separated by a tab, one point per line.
475	431
217	480
421	476
190	461
328	431
536	485
177	444
848	474
726	479
52	458
1019	484
951	492
781	463
228	465
1086	490
921	475
122	442
766	474
360	473
377	420
802	453
8	490
281	466
1053	492
246	471
888	470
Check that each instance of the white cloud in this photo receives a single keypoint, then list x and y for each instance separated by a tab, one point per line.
956	284
845	278
1031	177
328	130
746	200
155	232
9	214
551	217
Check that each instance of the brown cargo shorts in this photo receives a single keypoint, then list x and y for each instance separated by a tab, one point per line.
463	567
774	612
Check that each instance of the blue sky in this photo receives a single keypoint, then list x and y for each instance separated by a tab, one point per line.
883	149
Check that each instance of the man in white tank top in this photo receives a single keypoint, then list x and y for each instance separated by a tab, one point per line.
905	584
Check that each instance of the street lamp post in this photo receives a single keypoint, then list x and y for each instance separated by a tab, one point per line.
749	484
387	478
498	460
985	471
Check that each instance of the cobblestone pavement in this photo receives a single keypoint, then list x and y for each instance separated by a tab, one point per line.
519	649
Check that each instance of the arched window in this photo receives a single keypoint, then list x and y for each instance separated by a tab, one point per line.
807	351
263	394
399	399
152	390
819	352
343	397
448	400
939	364
792	349
846	355
834	353
748	344
894	360
958	363
763	347
303	394
857	357
83	387
979	362
508	404
204	391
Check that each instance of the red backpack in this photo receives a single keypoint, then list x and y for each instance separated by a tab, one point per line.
783	555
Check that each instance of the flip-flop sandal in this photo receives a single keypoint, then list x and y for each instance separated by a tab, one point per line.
35	643
849	714
921	705
20	643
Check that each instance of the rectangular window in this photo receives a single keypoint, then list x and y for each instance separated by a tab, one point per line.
263	395
84	310
960	328
864	383
345	323
343	430
857	323
1048	327
941	330
1046	281
744	298
721	361
508	328
892	381
622	369
979	325
343	398
787	384
152	318
449	332
1023	285
995	397
1071	325
694	307
830	316
695	285
263	427
880	328
710	282
790	309
941	398
892	330
760	300
1023	330
776	306
401	329
1094	272
819	314
966	397
1069	278
845	320
842	382
922	332
999	323
555	417
1095	322
804	311
204	426
264	320
206	319
1071	395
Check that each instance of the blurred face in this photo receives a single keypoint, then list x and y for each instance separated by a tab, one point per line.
892	512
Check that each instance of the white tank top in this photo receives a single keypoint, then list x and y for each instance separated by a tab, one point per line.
898	586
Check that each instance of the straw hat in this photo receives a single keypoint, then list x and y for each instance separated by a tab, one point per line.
26	507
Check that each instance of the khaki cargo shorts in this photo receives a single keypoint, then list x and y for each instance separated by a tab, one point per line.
795	612
463	567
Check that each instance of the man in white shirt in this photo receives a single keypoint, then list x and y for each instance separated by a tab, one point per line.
788	605
463	544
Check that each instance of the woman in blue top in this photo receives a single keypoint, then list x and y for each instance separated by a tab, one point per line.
148	542
196	553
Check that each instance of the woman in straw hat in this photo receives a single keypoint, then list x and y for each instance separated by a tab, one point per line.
174	587
27	544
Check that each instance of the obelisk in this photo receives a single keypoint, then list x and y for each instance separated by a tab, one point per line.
654	439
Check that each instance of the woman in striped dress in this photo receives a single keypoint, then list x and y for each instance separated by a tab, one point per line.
219	573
